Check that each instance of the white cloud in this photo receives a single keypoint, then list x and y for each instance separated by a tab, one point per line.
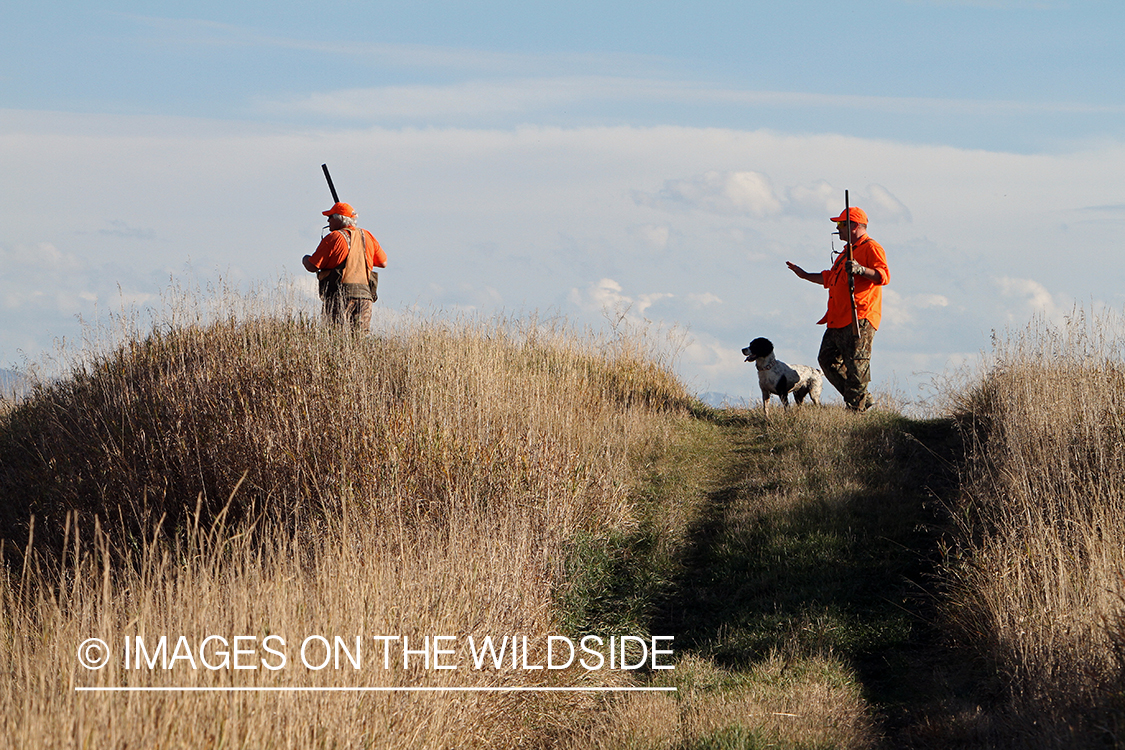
35	259
517	93
1031	298
883	207
716	364
206	34
705	299
45	279
899	310
476	97
752	194
817	199
607	296
725	193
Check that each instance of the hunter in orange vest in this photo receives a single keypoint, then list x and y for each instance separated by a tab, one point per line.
845	355
344	264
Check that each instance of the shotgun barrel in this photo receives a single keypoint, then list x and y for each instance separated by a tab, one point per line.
335	198
848	245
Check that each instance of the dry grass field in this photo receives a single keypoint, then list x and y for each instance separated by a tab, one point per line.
250	476
1035	582
233	474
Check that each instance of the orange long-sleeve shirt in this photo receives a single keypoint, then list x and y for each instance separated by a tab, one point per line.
868	294
333	251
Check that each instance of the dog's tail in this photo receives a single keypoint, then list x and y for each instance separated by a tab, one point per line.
816	386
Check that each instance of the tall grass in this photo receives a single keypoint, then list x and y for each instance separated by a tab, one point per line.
238	472
238	469
1036	592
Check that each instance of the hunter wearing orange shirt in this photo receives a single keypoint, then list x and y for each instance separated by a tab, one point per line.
845	357
344	264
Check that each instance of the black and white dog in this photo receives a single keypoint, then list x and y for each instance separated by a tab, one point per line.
776	377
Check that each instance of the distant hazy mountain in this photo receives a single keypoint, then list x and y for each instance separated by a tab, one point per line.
723	400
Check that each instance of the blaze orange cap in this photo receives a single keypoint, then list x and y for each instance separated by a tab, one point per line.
857	215
343	209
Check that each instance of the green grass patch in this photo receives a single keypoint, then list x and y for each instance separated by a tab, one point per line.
796	574
617	579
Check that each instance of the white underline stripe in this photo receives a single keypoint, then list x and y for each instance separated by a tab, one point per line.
371	689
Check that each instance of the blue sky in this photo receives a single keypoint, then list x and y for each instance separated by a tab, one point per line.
661	157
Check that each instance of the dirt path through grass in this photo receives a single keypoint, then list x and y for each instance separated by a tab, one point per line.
810	564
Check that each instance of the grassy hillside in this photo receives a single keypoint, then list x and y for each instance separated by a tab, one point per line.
831	579
264	475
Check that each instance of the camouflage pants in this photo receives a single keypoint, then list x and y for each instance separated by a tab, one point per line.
846	362
356	312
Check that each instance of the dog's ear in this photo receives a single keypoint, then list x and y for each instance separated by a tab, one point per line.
760	347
